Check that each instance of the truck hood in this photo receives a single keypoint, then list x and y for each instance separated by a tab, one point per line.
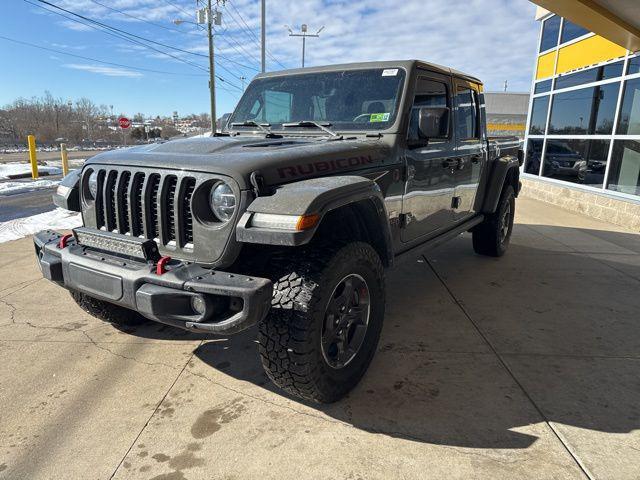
280	160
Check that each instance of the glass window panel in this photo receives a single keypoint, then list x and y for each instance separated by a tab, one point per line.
543	87
634	65
571	112
550	33
605	102
539	115
625	167
585	111
534	156
629	123
576	161
613	70
572	31
579	78
466	114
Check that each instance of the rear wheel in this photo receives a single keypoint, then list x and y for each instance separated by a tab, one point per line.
106	311
325	321
493	235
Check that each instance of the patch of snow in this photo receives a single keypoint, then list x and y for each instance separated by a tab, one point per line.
12	188
7	170
203	135
22	227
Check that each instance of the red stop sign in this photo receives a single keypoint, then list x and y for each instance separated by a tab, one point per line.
124	122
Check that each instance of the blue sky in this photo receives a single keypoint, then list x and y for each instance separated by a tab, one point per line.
492	39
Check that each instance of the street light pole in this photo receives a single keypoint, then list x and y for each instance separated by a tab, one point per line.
212	66
304	34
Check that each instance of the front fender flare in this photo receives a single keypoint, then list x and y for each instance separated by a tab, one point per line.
313	196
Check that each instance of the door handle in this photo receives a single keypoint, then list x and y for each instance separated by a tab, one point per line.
450	163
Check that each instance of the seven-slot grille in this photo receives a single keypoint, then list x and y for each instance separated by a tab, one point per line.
146	205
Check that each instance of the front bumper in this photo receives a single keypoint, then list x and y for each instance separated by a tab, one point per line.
227	302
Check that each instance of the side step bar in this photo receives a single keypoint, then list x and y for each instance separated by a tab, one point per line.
435	242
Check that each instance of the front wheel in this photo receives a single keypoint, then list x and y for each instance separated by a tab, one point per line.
493	235
325	321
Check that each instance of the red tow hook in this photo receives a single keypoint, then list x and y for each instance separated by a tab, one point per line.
161	267
64	240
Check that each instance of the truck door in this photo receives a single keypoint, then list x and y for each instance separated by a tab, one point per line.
430	177
471	147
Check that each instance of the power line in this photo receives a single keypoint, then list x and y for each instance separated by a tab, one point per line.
117	35
104	25
248	29
139	18
125	36
40	47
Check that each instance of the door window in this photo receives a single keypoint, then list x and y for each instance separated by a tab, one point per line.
429	93
467	114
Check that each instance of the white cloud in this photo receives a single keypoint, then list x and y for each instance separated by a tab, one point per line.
494	40
104	70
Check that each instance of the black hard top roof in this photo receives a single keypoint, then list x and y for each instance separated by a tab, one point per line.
406	64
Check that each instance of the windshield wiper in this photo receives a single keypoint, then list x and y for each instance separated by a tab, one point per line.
261	126
310	123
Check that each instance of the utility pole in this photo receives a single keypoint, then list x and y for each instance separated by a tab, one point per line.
242	79
212	69
263	34
304	34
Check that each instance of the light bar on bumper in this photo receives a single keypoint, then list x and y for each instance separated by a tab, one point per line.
117	244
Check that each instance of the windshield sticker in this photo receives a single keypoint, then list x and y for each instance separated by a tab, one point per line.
379	117
390	72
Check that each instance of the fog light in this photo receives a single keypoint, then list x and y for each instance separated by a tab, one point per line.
198	304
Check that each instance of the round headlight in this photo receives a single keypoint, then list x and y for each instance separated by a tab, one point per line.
222	201
93	184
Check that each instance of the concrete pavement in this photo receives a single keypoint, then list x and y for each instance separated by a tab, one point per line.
515	368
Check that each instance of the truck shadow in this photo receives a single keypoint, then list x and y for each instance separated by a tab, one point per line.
478	352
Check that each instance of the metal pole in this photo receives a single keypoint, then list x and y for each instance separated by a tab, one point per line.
264	37
212	69
64	158
31	139
304	41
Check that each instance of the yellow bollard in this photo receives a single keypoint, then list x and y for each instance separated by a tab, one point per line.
32	156
65	159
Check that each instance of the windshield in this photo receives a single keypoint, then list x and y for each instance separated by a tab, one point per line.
348	100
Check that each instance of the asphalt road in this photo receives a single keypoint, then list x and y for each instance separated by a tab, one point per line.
25	204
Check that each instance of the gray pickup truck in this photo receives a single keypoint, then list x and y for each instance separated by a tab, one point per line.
322	180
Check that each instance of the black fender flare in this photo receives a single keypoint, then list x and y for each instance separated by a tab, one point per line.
314	196
502	168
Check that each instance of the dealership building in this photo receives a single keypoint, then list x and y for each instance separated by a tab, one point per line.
583	122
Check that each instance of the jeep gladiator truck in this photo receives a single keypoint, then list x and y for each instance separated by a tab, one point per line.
323	178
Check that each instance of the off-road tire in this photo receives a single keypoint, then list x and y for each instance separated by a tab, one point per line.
290	336
488	237
106	311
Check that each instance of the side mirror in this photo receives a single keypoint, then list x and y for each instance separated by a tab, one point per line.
434	122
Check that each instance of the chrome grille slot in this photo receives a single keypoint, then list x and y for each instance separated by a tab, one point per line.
188	186
136	205
109	196
100	221
122	201
153	222
168	211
